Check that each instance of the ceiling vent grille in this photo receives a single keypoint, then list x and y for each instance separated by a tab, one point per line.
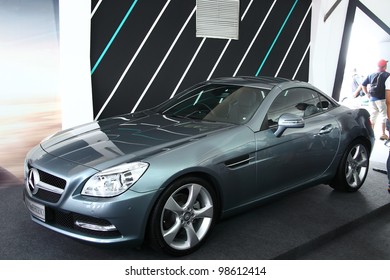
218	19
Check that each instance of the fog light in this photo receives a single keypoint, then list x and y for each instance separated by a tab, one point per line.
95	227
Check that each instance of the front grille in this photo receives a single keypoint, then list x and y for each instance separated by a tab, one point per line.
47	195
52	180
67	220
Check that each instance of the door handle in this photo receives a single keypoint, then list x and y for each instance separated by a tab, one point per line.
326	129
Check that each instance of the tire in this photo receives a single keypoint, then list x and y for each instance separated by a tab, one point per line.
353	168
183	217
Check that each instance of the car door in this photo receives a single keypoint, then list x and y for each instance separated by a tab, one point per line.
300	155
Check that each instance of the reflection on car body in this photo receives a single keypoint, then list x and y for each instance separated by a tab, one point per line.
168	174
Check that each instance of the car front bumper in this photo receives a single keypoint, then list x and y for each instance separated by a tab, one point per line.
99	220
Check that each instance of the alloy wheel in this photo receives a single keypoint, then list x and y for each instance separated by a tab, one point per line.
187	216
356	166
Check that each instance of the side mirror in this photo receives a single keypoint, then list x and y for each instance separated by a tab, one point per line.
288	121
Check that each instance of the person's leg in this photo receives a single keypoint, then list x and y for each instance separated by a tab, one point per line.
381	105
373	113
384	135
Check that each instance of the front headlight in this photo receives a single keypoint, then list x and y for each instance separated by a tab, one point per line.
115	180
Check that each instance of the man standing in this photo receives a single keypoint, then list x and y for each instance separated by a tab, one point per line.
376	94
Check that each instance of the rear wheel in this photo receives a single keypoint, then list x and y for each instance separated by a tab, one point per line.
183	217
353	168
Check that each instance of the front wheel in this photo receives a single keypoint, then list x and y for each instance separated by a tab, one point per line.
183	217
353	168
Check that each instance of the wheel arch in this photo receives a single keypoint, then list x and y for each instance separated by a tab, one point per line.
200	173
367	142
203	174
212	183
337	181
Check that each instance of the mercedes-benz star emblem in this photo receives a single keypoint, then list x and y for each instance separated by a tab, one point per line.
33	180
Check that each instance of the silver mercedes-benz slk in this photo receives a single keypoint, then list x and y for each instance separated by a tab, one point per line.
168	174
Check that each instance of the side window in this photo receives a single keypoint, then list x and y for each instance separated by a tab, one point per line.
298	101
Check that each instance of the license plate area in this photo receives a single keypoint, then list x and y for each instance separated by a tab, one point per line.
36	209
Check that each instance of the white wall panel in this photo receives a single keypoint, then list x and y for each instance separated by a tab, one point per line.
75	75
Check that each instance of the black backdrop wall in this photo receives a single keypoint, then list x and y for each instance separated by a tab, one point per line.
145	51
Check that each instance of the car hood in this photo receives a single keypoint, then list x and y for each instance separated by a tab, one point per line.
126	138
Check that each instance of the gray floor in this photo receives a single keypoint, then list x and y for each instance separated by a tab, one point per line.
316	223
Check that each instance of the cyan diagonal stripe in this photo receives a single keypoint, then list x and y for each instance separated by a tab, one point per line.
276	38
114	36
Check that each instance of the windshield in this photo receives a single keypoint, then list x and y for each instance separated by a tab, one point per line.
215	102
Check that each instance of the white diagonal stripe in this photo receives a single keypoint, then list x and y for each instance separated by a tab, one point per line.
292	42
163	61
254	38
300	63
246	10
188	67
96	7
132	60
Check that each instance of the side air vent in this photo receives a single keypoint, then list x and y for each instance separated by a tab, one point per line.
218	19
238	161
